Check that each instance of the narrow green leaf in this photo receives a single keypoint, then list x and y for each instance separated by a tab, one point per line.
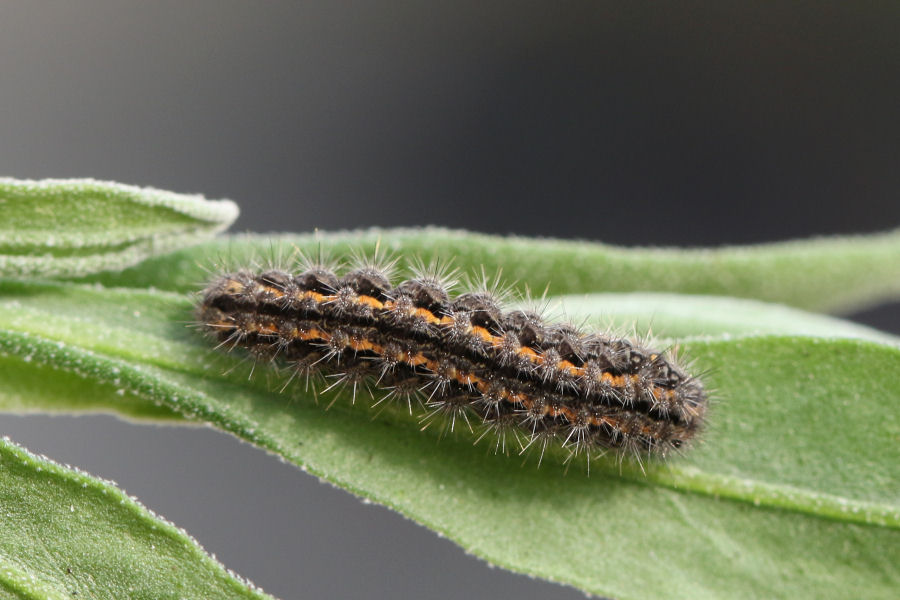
679	315
72	227
792	493
65	534
828	274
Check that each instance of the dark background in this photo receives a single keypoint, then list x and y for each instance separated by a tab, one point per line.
632	123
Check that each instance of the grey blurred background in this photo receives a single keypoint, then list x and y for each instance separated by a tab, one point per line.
633	123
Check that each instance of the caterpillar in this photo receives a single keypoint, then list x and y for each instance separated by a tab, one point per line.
458	358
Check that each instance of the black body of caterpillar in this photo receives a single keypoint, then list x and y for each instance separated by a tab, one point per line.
462	357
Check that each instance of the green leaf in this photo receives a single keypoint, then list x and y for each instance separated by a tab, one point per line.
65	534
680	315
826	274
792	493
73	227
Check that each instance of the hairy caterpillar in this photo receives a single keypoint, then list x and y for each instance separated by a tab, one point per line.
459	358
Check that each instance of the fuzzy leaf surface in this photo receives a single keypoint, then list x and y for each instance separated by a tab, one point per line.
829	274
793	492
65	534
72	227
